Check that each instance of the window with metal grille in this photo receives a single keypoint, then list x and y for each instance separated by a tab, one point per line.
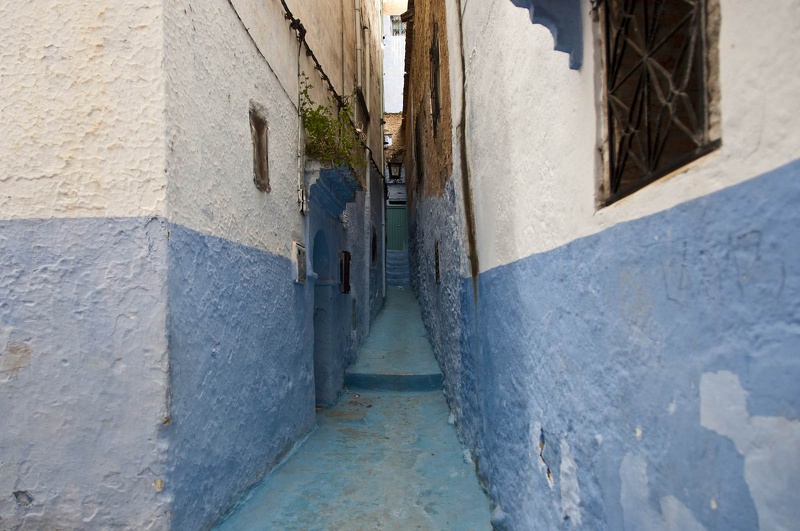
435	94
656	90
398	26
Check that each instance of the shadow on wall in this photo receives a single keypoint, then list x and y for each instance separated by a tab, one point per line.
563	19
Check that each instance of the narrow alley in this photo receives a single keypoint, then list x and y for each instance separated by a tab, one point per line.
385	456
436	265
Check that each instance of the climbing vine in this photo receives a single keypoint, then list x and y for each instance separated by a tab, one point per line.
330	136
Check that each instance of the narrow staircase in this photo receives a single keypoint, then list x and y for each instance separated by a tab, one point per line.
397	271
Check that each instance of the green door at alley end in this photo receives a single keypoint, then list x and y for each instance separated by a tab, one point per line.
396	228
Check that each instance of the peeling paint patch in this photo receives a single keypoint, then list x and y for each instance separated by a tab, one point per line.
564	20
636	509
23	498
569	486
769	446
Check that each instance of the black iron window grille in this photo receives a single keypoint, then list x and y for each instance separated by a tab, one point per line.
656	90
435	95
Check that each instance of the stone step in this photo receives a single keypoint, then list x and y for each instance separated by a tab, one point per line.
393	382
396	355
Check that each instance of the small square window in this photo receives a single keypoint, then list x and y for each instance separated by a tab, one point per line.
258	131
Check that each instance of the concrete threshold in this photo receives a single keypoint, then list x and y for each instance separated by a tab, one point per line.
397	355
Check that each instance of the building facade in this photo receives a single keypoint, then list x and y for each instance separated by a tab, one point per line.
613	299
394	50
158	270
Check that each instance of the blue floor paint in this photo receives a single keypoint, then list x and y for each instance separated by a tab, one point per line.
379	459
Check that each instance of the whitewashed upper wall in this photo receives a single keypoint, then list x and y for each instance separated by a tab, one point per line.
534	130
82	103
220	59
394	61
331	34
214	72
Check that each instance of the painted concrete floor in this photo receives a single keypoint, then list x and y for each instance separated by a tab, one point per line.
385	460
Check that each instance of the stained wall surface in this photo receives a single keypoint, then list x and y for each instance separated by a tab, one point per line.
626	367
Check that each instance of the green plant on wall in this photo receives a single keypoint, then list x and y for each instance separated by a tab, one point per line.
331	138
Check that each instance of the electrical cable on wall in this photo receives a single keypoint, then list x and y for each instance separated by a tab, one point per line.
300	30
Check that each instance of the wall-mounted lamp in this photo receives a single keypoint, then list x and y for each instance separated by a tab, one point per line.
395	168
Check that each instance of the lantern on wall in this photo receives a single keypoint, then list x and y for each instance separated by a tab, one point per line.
395	169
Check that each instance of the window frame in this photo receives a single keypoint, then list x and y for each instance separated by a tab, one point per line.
259	134
708	61
397	28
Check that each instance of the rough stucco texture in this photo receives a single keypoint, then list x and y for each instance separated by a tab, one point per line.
214	72
82	373
642	378
241	370
533	133
82	104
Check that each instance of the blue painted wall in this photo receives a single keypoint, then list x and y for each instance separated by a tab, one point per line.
564	20
83	372
241	370
333	193
588	361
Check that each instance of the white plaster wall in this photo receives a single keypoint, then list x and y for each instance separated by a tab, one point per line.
533	127
217	60
214	71
394	60
81	109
